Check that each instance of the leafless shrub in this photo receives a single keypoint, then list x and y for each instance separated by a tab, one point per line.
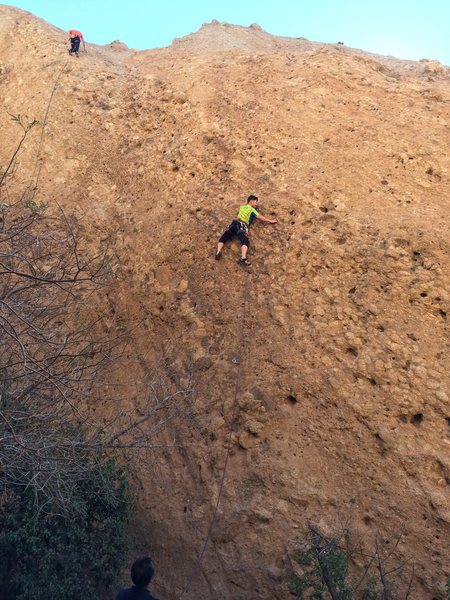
53	355
323	566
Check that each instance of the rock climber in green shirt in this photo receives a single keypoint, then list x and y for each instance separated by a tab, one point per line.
239	227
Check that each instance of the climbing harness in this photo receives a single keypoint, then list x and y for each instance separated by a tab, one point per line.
237	361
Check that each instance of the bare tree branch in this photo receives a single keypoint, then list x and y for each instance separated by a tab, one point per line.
54	355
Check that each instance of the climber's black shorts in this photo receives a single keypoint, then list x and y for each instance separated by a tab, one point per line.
236	229
75	44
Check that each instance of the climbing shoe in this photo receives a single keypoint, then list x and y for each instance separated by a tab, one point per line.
218	255
244	262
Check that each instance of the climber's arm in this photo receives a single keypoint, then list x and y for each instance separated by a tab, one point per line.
266	220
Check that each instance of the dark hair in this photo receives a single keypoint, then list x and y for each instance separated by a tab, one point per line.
252	197
142	572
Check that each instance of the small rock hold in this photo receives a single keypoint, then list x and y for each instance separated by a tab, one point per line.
254	427
204	363
247	441
434	67
274	573
261	515
183	286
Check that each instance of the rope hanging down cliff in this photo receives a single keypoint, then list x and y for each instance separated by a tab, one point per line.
38	166
237	361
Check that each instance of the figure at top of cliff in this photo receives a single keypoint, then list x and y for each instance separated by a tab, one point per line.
76	37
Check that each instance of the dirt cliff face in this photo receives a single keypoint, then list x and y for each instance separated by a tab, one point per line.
338	334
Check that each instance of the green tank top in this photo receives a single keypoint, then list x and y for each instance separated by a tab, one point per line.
245	213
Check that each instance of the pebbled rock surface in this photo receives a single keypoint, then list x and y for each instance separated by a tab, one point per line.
341	325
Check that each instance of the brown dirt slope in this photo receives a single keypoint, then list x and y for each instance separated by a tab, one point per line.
343	392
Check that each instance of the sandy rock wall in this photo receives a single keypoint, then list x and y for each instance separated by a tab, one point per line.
341	325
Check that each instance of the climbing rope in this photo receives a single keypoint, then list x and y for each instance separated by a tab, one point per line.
237	361
38	166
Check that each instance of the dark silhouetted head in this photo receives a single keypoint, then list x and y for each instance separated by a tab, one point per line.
142	572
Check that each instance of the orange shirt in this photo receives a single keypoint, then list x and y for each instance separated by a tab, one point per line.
74	32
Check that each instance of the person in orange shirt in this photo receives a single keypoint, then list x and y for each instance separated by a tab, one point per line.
76	37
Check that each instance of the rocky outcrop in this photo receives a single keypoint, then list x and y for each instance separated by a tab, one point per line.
328	361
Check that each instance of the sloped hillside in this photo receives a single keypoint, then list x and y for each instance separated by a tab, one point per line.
338	334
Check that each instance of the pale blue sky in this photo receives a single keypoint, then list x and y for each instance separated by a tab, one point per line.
411	29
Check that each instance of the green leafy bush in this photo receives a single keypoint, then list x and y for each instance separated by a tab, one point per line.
71	556
320	568
324	566
36	207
